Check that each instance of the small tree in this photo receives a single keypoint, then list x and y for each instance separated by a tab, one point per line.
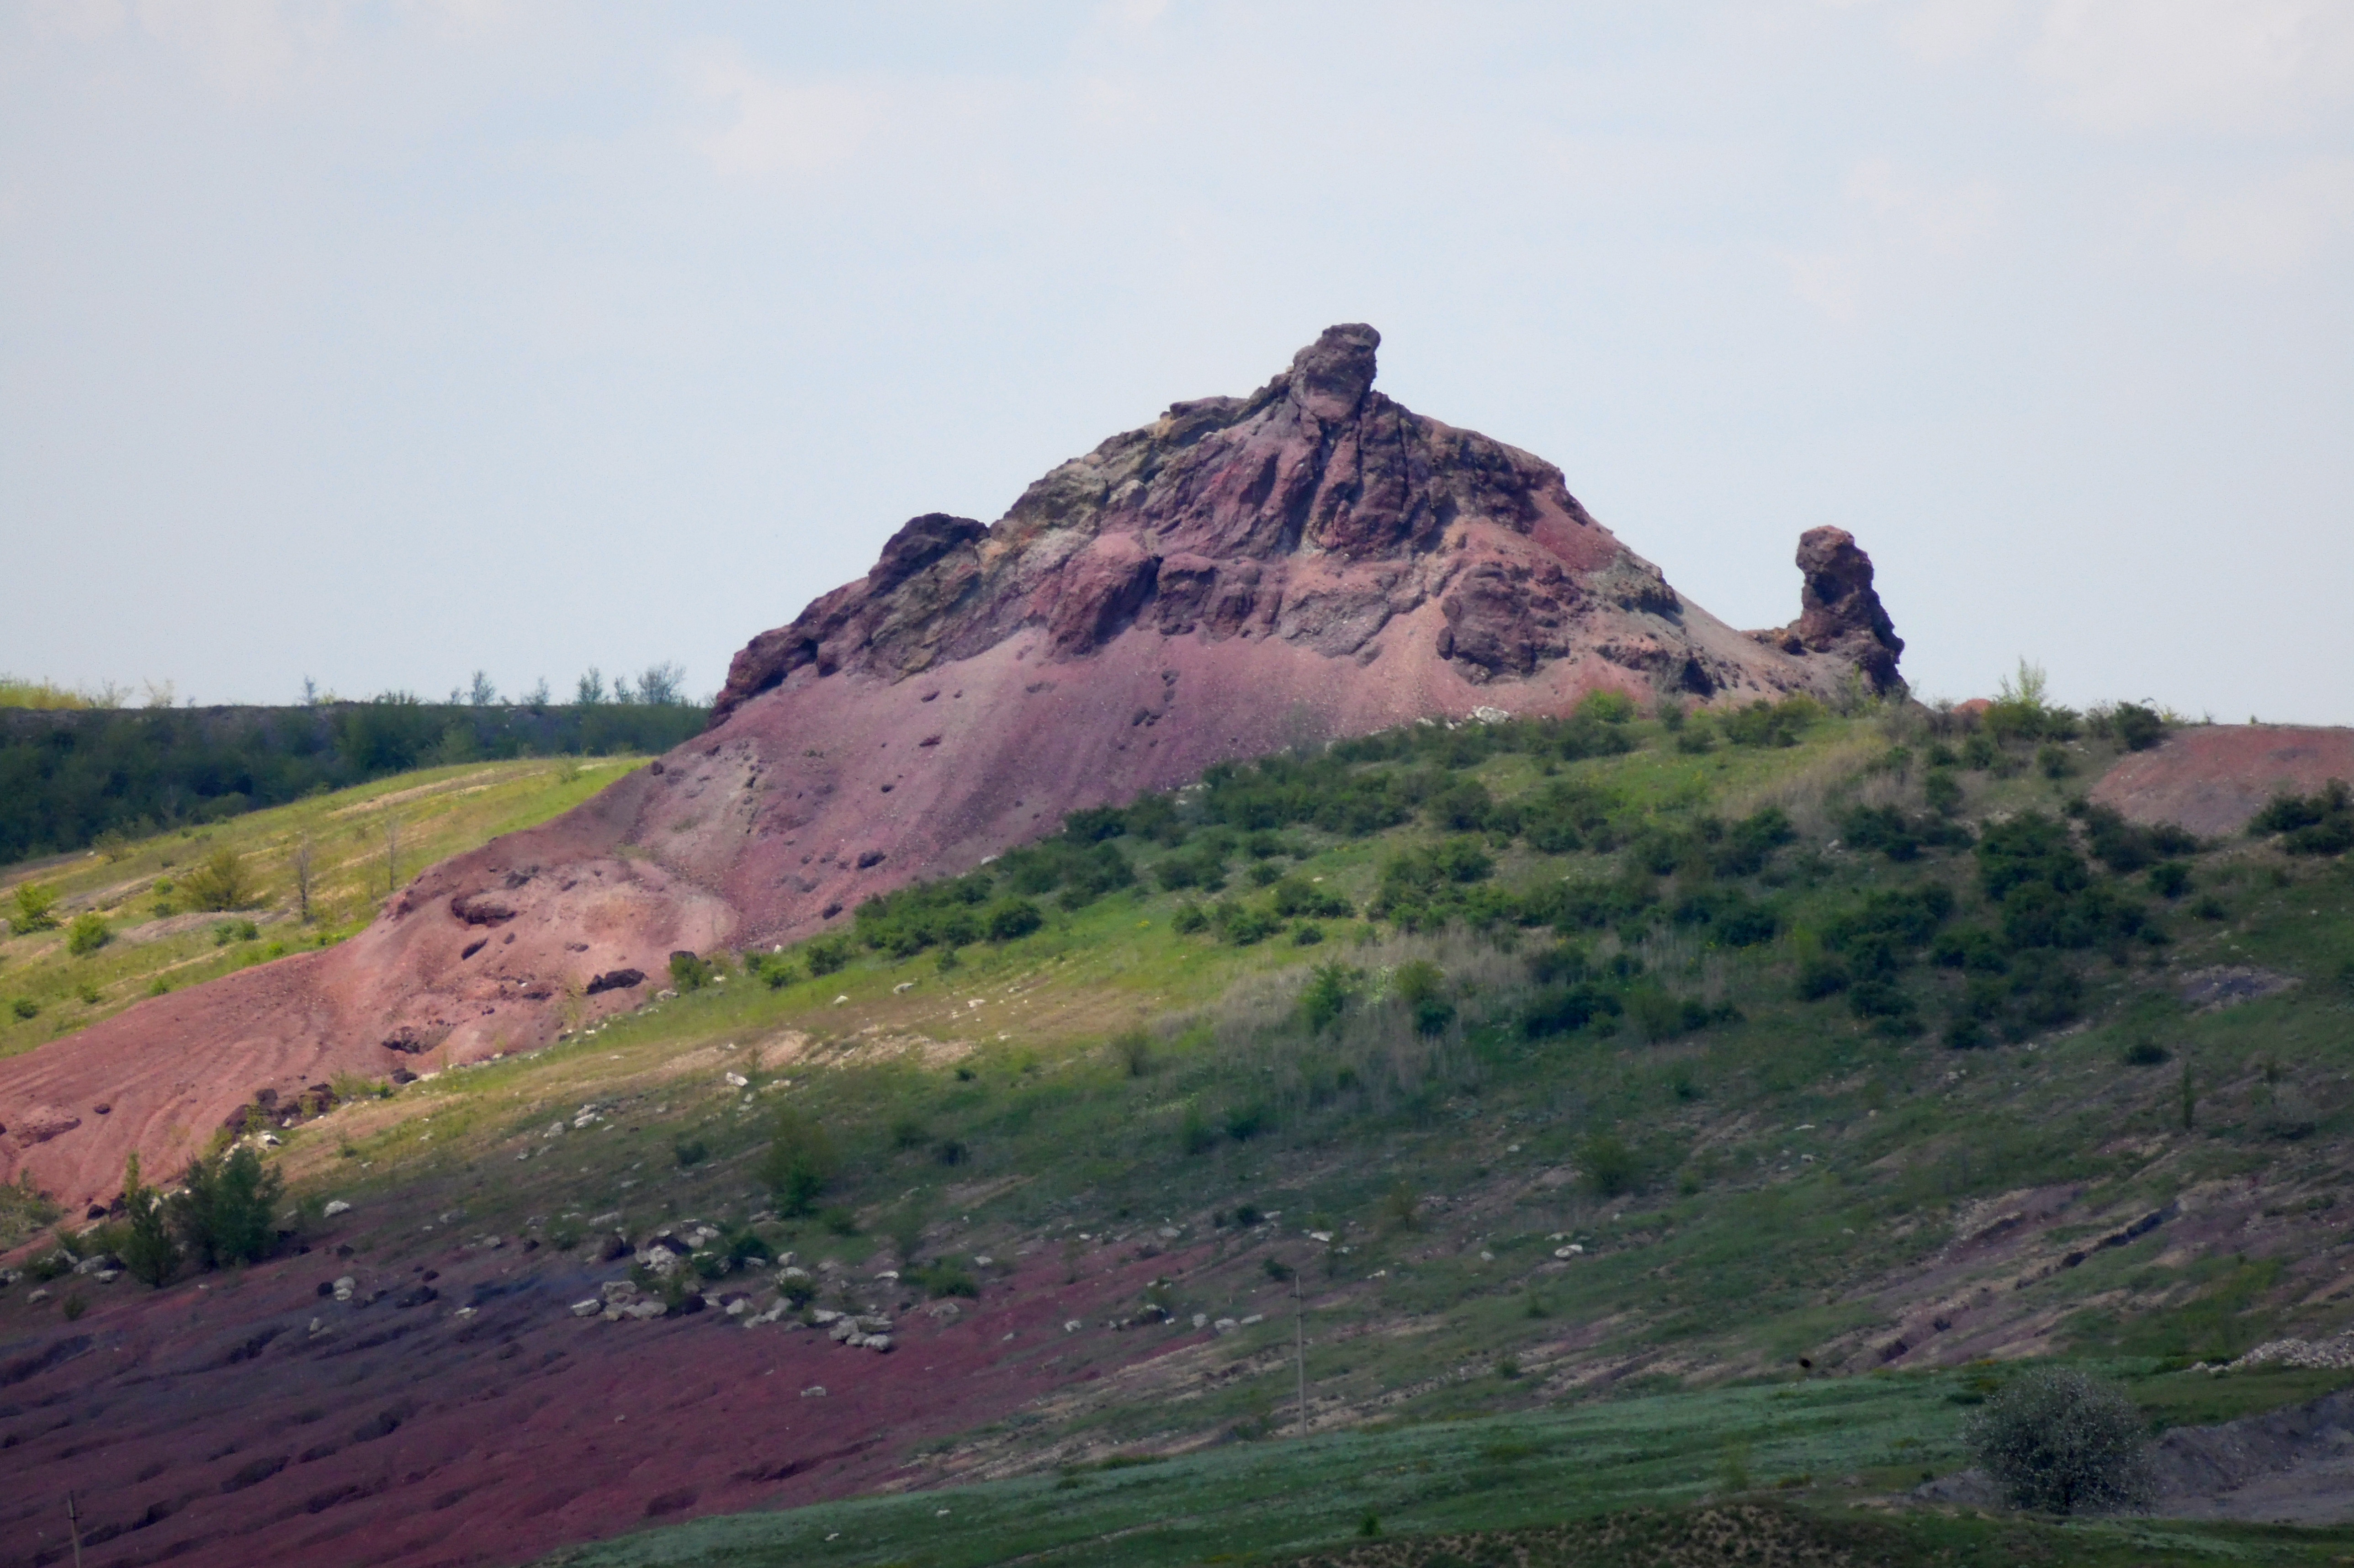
148	1250
590	690
480	692
2059	1441
37	906
223	1213
222	882
662	686
299	863
391	853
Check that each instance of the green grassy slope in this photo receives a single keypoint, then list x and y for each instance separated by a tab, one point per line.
1768	1020
1823	1446
360	839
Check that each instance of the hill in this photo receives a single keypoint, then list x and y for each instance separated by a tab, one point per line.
1247	574
1543	1079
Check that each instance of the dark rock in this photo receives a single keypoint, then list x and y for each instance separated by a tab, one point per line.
481	909
409	1041
471	948
1839	612
615	979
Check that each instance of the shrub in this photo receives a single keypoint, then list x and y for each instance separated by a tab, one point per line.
688	972
1133	1047
2320	823
775	969
2053	762
2137	727
2145	1053
36	909
1612	1169
228	931
24	1007
221	882
1013	918
1188	919
690	1152
2169	879
2058	1441
222	1212
799	1163
827	954
1243	926
1941	791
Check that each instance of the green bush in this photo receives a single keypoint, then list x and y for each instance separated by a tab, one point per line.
1189	919
1611	1168
1013	918
775	969
36	909
2320	823
827	954
2137	727
24	1007
689	1153
800	1161
221	882
228	931
689	972
2059	1441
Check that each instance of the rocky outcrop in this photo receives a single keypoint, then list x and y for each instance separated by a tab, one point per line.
1241	576
1839	612
1316	512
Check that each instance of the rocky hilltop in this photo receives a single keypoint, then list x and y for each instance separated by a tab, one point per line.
1242	575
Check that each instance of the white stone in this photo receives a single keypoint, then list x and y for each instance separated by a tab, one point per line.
839	1000
1571	1250
338	1207
1225	1325
1254	1317
588	1308
736	1080
1073	1326
1201	1319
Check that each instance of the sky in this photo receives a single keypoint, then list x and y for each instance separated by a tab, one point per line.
378	343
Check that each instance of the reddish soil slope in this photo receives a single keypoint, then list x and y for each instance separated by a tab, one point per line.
1242	575
216	1430
2211	779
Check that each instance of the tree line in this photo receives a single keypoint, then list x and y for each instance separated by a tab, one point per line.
70	776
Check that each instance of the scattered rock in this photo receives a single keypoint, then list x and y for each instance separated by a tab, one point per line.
614	980
336	1206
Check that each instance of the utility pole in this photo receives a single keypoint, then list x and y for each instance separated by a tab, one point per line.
73	1518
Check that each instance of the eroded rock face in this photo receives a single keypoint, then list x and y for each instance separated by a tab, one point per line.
1241	576
1316	512
1839	612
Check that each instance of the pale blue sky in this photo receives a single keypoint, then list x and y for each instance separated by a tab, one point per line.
377	342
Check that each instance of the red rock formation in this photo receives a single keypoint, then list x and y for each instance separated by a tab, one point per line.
1839	613
1242	575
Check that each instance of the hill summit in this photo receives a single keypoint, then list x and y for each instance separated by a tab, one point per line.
1242	576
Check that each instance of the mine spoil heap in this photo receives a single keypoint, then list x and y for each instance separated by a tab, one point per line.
1240	576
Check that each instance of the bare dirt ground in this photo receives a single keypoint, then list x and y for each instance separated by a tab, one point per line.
2213	779
211	1424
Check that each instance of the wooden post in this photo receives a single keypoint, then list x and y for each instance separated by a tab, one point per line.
1299	1346
73	1519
